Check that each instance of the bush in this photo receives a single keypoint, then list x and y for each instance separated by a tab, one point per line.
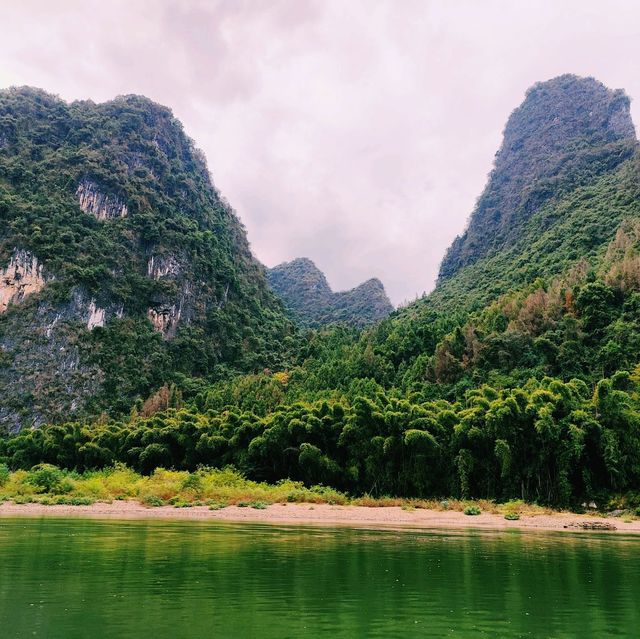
472	510
81	501
46	478
512	516
153	501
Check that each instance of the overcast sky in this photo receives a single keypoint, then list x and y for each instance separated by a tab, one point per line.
355	132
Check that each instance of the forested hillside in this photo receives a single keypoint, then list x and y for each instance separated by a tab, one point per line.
518	377
121	266
307	295
564	179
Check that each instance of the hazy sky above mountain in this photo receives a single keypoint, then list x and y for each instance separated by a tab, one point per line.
355	132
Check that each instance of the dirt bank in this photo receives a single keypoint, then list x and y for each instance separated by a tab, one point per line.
322	514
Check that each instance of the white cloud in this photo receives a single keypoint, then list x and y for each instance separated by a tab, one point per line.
356	133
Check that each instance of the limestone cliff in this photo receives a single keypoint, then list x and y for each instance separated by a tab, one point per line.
121	266
565	177
21	277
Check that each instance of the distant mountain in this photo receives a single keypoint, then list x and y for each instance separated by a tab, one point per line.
121	266
307	295
564	179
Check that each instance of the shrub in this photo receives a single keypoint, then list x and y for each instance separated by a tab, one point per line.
153	501
472	510
512	516
46	478
81	501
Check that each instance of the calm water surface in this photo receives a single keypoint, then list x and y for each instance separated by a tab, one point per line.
94	579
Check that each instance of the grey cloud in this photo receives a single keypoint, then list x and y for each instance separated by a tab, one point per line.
358	133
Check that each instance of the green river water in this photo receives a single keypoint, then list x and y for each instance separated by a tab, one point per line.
92	579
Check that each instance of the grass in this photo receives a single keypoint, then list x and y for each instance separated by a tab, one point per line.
215	489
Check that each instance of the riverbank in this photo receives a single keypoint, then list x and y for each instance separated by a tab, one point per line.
325	514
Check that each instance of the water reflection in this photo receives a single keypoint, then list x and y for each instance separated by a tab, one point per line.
74	578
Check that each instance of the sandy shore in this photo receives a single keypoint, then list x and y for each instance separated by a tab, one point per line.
321	514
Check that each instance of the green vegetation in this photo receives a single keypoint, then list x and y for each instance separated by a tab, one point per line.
566	135
550	441
307	296
179	255
517	379
48	485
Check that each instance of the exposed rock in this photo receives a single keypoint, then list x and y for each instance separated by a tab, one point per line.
166	313
96	316
44	365
94	202
591	525
160	266
165	319
22	277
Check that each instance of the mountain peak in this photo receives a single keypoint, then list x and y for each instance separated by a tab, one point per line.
565	129
304	289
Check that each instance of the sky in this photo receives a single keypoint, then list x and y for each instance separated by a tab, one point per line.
358	133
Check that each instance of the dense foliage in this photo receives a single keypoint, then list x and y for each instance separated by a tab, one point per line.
309	299
549	441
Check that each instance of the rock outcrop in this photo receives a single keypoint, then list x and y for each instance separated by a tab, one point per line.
23	276
94	202
96	316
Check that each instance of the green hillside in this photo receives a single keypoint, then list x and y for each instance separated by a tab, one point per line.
121	266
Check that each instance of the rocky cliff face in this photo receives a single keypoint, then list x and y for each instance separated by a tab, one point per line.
306	293
120	264
21	278
567	131
94	202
